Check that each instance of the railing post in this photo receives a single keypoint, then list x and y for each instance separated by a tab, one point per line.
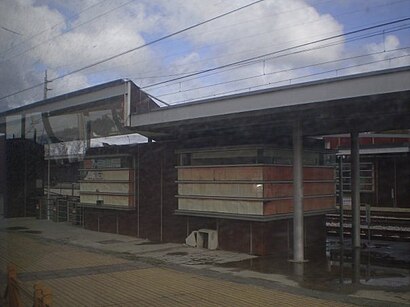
37	294
42	296
12	293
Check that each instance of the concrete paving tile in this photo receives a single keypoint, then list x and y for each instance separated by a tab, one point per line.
90	277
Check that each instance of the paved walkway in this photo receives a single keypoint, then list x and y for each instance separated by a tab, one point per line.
84	276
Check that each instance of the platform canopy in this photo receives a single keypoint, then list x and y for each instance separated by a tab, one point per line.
376	101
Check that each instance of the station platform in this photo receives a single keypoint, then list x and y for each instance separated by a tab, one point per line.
87	268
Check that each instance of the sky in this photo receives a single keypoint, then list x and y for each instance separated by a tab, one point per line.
291	41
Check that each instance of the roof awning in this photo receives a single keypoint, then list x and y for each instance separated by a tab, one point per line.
374	101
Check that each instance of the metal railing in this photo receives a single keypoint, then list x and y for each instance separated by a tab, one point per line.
61	208
18	296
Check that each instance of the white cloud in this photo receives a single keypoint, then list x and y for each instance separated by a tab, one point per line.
84	38
61	51
390	42
383	55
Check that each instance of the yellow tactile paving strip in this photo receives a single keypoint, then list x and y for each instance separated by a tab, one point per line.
32	256
164	287
135	287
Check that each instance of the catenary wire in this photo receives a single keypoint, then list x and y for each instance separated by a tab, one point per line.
221	66
280	51
51	28
138	47
63	33
287	70
288	54
249	88
231	40
283	12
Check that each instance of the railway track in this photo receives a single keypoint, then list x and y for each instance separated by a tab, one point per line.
385	223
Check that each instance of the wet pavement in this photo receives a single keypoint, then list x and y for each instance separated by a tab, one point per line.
383	266
376	273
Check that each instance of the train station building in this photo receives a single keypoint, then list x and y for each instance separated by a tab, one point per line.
254	172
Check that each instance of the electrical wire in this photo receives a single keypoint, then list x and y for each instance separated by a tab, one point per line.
269	15
280	51
286	70
221	66
50	28
249	88
139	77
71	29
241	39
156	40
138	47
297	23
291	53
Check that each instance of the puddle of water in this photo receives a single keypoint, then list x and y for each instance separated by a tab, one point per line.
381	265
177	254
149	243
32	231
110	241
394	282
16	228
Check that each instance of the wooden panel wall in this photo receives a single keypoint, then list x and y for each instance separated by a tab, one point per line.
115	187
221	206
220	173
252	190
221	189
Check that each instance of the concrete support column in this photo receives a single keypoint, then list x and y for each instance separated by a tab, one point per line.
356	265
355	175
298	228
341	222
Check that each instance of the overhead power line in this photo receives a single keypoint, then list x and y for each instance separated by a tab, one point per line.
157	40
242	37
50	28
330	44
217	67
280	51
290	69
63	33
11	31
137	48
254	87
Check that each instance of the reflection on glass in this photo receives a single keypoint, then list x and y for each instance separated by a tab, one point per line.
35	128
13	126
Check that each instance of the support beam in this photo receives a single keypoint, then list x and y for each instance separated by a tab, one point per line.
298	237
355	173
341	224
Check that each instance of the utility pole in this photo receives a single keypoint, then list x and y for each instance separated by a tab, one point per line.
46	89
46	81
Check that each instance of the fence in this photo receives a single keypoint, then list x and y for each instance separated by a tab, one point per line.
61	208
17	296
